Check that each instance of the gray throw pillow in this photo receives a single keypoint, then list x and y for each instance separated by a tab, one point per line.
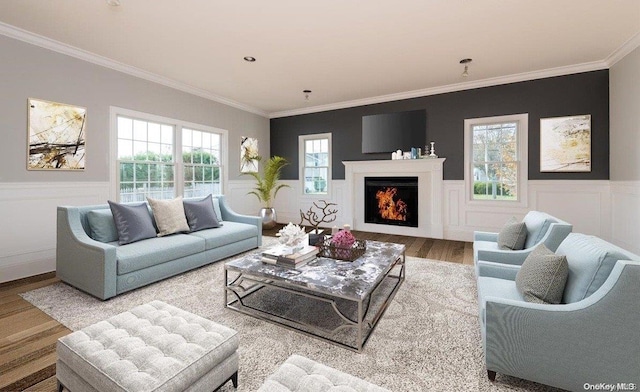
169	215
542	277
132	221
200	214
513	235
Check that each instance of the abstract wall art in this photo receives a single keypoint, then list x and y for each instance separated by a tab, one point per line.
565	144
56	136
249	156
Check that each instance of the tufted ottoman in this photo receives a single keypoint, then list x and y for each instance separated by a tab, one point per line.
301	374
152	347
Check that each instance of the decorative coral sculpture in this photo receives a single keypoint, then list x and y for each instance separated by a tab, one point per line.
291	235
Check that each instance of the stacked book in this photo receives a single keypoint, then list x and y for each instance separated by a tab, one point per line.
280	255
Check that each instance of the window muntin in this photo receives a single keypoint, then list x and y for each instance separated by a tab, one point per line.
495	161
316	165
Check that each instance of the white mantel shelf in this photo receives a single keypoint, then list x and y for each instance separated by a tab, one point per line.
430	188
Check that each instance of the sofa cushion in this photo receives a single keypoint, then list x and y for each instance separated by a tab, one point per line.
513	235
101	225
169	215
134	222
542	277
229	233
200	214
537	226
591	260
495	287
158	250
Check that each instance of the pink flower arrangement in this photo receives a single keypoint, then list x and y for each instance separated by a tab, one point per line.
343	239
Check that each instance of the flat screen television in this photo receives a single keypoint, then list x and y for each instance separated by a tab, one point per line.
394	131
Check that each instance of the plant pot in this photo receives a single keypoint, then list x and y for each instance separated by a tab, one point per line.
268	216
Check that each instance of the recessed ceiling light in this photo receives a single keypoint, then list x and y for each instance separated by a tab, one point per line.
113	3
249	59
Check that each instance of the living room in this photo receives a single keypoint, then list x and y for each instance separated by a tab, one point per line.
578	58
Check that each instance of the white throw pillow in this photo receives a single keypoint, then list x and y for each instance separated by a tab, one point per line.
169	215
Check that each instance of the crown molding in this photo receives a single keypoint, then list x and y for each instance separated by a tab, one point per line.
521	77
629	46
56	46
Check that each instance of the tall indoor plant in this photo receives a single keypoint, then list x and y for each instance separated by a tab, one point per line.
267	188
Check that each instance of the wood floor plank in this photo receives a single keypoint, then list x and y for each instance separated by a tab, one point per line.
468	253
47	385
30	373
9	291
437	250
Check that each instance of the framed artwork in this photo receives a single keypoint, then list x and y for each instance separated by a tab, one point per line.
249	155
56	136
565	144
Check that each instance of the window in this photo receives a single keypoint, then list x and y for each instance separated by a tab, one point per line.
162	158
495	158
315	163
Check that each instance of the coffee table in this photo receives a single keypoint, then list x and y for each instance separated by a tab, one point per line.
337	301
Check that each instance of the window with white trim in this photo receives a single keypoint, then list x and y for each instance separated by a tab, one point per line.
162	158
496	159
315	163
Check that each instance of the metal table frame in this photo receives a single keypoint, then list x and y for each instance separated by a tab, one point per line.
244	285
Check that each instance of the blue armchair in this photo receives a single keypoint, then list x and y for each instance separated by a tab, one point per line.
541	228
592	337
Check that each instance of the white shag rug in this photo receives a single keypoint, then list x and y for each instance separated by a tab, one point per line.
428	339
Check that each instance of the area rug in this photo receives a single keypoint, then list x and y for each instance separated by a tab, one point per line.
428	339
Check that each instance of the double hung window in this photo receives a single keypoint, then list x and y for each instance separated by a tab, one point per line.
315	163
162	158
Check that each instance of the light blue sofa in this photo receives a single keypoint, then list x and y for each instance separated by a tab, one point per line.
106	269
542	228
592	337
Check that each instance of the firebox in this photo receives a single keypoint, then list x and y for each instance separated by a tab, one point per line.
391	201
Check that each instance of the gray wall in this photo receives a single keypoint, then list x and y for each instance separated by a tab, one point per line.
28	71
625	118
584	93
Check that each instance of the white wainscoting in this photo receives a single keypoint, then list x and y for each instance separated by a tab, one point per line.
28	213
585	204
625	215
238	198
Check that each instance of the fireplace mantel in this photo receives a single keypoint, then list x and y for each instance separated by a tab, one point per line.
429	173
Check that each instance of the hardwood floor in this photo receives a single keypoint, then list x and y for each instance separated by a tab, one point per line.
28	336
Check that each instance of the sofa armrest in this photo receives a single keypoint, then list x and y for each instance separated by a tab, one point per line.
590	341
485	236
497	270
230	215
513	257
81	261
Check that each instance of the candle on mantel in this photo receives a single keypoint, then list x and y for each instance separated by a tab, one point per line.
346	227
334	230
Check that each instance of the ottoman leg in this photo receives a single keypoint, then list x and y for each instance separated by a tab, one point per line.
234	379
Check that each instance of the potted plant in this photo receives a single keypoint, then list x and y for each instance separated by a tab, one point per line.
267	188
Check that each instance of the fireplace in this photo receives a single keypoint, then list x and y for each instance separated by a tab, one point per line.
391	201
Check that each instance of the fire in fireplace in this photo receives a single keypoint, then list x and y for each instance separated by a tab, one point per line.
391	201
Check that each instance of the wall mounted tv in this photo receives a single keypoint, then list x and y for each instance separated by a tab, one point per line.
394	131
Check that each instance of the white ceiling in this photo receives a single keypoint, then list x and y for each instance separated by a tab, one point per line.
346	51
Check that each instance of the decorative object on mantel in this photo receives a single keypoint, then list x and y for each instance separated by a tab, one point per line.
565	144
343	246
432	151
328	215
249	156
292	236
267	188
56	136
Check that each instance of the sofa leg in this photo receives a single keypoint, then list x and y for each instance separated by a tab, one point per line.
234	379
492	375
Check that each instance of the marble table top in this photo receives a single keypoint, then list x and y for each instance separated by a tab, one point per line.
351	280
